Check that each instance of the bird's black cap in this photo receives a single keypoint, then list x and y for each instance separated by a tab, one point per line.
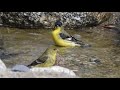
58	23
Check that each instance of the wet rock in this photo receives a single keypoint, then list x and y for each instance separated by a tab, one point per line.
38	72
78	37
47	19
2	66
56	70
20	68
114	21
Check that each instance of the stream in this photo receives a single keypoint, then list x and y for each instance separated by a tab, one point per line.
101	60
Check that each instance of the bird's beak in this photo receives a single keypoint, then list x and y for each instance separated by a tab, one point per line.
109	26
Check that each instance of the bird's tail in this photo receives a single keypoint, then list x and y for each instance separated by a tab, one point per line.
34	63
82	44
29	66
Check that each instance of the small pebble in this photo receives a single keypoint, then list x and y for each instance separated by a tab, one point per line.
95	60
86	46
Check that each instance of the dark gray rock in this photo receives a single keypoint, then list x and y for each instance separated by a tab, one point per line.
78	37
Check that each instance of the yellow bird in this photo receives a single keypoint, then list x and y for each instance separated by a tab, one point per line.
47	59
62	38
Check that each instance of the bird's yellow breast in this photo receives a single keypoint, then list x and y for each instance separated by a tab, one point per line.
58	40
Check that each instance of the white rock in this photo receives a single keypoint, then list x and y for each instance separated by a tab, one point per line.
55	70
2	66
39	72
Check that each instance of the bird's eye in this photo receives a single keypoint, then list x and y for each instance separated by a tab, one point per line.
55	49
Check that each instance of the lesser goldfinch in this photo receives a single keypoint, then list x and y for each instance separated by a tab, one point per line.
48	58
62	38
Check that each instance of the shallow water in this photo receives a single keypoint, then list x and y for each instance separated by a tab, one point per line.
100	60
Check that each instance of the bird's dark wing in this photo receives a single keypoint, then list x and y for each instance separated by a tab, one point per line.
66	36
39	61
63	36
69	38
